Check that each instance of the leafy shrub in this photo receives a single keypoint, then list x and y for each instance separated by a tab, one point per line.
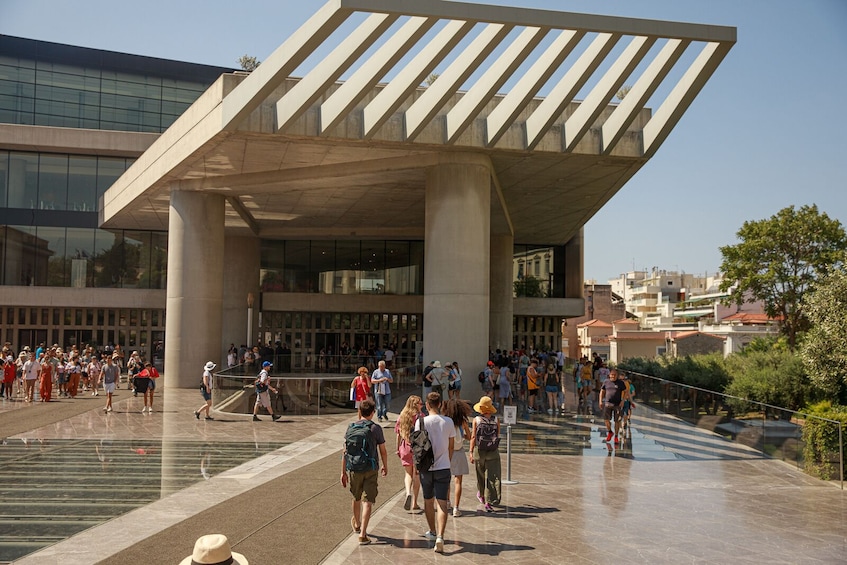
820	440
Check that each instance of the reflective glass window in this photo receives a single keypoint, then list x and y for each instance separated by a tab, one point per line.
297	272
80	257
4	180
136	259
108	259
52	182
23	180
82	183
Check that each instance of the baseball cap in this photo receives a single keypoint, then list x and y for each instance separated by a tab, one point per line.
267	364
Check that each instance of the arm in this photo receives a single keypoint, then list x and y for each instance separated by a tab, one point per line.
343	470
450	448
383	454
473	440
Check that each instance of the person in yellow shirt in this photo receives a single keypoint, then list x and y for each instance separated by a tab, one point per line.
533	380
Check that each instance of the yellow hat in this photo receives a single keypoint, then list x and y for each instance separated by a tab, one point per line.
484	406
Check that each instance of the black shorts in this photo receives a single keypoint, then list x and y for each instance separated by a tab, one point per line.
436	484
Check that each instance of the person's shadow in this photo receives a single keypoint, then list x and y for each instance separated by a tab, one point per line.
453	547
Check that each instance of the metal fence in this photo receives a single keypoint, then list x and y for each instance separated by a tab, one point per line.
306	387
773	431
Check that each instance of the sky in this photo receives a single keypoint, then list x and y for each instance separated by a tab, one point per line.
768	130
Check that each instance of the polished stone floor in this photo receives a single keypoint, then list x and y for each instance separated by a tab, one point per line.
670	493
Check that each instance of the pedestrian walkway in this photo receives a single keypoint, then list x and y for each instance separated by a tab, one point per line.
670	493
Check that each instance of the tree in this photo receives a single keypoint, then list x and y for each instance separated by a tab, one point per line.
779	259
529	286
622	92
774	377
824	350
248	63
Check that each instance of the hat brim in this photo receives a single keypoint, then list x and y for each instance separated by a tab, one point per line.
484	409
237	559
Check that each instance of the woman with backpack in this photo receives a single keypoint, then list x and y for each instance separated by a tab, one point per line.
485	453
403	430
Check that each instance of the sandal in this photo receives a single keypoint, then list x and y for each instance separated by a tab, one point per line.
356	528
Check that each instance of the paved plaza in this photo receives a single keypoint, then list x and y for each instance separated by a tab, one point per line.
670	494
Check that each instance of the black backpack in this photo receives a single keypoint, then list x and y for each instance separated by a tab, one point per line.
486	435
360	447
422	453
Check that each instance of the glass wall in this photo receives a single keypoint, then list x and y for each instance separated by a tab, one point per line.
343	266
539	271
42	83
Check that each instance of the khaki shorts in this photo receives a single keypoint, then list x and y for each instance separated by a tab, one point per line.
264	399
364	482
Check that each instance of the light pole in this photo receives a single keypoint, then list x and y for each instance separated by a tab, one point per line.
249	319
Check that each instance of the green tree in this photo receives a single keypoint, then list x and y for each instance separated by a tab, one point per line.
778	260
775	377
824	349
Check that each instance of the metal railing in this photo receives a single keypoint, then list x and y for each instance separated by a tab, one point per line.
773	431
305	387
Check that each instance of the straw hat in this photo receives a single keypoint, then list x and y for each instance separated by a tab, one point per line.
213	549
484	406
209	366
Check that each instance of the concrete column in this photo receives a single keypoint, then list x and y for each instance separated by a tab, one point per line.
456	271
241	277
195	286
502	305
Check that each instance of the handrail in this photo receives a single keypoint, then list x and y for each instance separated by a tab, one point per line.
764	407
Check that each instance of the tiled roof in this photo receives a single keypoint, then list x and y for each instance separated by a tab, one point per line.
749	318
683	335
595	323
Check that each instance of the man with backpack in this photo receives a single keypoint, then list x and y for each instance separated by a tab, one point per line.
435	479
359	466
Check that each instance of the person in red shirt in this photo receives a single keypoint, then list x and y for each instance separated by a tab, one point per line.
151	374
45	390
9	370
361	386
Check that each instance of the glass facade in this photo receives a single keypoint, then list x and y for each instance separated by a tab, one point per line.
342	266
539	271
48	226
47	84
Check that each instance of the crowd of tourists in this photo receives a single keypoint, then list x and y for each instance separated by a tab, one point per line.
50	373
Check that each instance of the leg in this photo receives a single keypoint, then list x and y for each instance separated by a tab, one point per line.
458	491
366	516
441	525
493	487
429	512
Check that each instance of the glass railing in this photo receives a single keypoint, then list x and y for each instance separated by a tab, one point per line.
773	431
305	387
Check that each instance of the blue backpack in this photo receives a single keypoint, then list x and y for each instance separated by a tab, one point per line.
360	447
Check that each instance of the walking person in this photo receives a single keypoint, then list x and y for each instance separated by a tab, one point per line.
552	387
364	447
485	453
455	386
31	369
94	369
458	412
403	429
9	371
435	481
382	379
111	376
360	388
206	390
149	374
611	401
45	389
263	397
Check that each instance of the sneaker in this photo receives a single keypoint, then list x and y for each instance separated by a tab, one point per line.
439	545
456	512
109	409
489	508
256	418
209	418
617	440
149	409
143	410
197	415
480	498
274	417
407	505
429	535
550	411
364	540
609	436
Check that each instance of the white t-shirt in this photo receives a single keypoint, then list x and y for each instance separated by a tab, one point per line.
389	355
440	430
31	370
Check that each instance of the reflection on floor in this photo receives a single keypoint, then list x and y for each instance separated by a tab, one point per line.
53	489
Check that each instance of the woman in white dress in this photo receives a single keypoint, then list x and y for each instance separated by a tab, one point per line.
458	411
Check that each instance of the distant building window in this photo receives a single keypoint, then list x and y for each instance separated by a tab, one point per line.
670	283
661	350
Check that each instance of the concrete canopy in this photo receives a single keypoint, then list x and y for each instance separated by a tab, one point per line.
343	151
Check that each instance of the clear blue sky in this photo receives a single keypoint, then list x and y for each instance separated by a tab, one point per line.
768	130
